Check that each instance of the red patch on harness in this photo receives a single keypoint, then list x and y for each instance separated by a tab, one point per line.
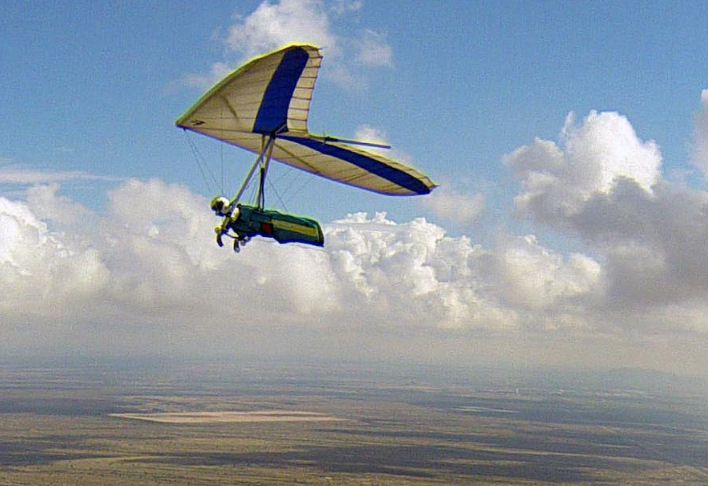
267	228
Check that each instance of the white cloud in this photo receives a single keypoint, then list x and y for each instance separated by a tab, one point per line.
452	205
604	148
274	24
529	276
603	184
45	275
47	205
392	274
700	149
152	260
590	159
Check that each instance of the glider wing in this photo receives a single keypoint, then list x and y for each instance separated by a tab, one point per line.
270	97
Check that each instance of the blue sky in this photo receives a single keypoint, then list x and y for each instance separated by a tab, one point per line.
96	86
544	228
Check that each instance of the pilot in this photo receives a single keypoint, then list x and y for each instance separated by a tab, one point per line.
221	206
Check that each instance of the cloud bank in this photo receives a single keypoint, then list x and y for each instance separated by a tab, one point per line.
147	274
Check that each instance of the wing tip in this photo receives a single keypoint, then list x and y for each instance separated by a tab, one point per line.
427	190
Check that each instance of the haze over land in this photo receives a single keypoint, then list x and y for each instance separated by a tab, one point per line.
69	422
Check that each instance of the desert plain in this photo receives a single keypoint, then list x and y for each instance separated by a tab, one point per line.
229	421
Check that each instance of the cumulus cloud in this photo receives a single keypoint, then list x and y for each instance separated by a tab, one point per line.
148	267
151	261
149	271
147	263
49	206
590	159
655	246
393	274
602	183
529	276
274	24
44	274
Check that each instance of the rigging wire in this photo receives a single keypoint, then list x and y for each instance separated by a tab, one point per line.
209	177
270	184
252	195
296	179
283	173
302	179
291	179
201	163
221	156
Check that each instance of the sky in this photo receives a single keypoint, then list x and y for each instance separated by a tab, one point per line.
569	140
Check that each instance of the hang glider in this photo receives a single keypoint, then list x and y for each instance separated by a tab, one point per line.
263	107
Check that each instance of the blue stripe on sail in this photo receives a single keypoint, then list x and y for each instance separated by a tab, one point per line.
273	113
380	169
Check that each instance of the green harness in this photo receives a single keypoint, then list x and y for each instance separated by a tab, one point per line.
249	221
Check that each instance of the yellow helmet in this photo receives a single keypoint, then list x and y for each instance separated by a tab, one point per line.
221	206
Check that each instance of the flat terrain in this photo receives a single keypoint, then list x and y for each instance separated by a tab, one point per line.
226	423
228	417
